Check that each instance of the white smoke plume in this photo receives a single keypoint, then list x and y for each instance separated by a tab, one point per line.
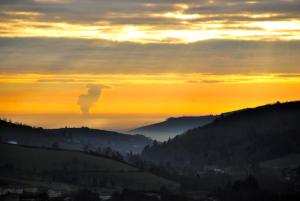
86	101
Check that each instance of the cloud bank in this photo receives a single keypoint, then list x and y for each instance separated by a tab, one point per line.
149	36
101	57
152	21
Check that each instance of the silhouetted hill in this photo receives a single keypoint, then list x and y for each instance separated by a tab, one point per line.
71	138
236	139
72	170
95	138
173	126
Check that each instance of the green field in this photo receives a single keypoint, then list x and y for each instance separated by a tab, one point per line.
76	168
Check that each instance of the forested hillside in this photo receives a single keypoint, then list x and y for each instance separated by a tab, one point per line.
236	139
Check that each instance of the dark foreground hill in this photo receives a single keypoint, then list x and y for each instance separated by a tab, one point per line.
73	169
236	139
173	126
71	138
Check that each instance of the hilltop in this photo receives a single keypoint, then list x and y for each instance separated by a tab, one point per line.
72	138
237	139
173	126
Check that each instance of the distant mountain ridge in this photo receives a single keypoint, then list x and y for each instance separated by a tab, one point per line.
173	126
237	138
72	138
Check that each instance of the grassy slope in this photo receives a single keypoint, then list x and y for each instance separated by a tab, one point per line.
292	160
31	162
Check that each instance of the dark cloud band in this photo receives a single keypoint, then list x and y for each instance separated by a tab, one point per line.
100	56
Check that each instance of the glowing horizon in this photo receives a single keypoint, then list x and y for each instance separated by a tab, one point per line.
139	96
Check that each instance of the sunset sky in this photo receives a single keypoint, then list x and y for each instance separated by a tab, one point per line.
117	64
